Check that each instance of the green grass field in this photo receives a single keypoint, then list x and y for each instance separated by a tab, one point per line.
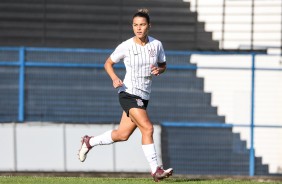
86	180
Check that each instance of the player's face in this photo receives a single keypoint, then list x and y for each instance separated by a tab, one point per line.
140	27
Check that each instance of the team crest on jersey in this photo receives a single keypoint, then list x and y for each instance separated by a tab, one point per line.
152	53
139	102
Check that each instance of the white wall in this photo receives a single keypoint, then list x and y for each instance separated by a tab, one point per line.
231	93
237	27
54	147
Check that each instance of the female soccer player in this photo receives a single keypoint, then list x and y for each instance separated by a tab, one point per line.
143	57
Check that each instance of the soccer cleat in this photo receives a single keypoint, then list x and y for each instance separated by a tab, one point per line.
85	148
161	174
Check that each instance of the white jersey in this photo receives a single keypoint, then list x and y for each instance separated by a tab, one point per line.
138	60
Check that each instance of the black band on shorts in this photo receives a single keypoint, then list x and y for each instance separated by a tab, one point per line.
128	101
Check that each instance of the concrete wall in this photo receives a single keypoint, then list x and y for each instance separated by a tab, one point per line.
53	147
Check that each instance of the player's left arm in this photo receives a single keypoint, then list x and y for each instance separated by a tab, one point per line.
161	64
157	70
162	67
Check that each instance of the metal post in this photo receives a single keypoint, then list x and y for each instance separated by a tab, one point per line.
252	154
252	24
223	24
21	84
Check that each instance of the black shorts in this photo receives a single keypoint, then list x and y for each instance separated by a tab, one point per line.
128	101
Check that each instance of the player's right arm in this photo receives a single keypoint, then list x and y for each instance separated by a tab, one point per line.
109	67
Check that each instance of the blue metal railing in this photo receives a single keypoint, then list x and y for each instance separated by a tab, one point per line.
252	154
21	83
22	64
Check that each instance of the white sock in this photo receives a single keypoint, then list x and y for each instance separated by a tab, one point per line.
103	139
151	156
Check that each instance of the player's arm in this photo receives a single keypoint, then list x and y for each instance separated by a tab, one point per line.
109	67
157	70
162	67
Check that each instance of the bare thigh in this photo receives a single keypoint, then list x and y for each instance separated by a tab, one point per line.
141	119
124	130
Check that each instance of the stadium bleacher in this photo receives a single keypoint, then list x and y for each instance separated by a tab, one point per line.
71	95
207	151
98	24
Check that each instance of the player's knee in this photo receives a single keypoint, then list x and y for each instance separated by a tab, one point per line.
149	129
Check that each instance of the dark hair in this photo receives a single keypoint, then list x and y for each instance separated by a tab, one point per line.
143	13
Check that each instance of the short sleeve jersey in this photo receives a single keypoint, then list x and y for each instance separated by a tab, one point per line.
138	60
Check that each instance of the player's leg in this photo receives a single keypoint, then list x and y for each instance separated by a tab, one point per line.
122	133
125	129
140	117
